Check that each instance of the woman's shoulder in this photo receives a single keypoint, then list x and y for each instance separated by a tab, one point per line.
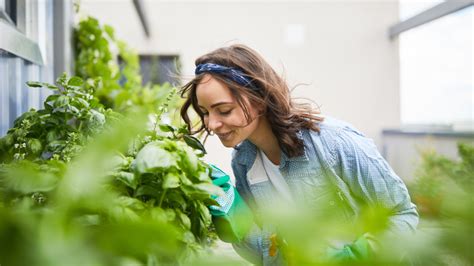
332	130
336	136
333	125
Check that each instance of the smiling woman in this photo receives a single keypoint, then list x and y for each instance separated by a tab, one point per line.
240	76
287	151
221	113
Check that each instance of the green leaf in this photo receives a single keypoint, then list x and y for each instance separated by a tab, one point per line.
96	118
201	191
62	80
8	140
74	109
194	143
28	177
152	157
52	98
35	146
184	219
37	84
129	179
52	87
75	81
83	102
209	188
190	159
203	176
57	145
175	196
167	128
183	130
62	100
158	214
147	190
132	203
34	84
52	136
185	180
171	180
210	202
110	31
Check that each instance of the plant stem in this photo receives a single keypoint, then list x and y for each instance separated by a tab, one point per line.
162	198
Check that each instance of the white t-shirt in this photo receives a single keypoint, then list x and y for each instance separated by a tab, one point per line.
263	170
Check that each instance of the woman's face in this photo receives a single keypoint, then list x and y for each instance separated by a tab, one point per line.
222	114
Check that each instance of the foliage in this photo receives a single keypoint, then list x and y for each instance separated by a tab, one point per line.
58	131
95	59
429	188
119	86
115	176
165	172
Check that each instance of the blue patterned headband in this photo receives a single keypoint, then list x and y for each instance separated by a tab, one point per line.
229	72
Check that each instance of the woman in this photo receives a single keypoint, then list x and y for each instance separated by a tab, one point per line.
284	149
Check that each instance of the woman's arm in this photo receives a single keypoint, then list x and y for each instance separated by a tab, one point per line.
369	177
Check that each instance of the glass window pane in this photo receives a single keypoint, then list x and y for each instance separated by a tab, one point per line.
436	74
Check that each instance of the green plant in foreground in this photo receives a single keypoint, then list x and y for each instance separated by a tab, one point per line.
118	176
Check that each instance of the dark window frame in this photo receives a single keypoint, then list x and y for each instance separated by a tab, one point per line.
13	40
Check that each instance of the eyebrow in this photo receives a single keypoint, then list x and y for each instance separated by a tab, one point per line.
217	104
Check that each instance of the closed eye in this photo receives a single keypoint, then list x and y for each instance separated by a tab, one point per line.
226	112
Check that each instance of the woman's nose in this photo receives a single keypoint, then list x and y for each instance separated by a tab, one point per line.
213	123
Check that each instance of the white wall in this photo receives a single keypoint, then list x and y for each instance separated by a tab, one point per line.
339	48
403	151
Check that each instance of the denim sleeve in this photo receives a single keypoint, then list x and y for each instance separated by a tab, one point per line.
250	248
371	179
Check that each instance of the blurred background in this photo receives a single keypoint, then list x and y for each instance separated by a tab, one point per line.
400	71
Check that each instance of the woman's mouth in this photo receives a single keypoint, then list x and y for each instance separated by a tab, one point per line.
224	136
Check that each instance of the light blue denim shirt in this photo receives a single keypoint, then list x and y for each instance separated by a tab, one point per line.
339	153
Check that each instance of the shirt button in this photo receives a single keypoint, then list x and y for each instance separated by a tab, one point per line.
331	203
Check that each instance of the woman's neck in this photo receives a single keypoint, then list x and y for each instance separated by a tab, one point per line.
264	138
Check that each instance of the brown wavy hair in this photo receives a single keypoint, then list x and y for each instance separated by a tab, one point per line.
285	116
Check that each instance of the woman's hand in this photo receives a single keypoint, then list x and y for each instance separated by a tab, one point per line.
232	218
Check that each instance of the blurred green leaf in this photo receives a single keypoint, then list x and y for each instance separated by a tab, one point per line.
152	157
171	180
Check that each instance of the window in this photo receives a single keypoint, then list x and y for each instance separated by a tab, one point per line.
410	8
26	54
8	11
158	69
436	72
18	29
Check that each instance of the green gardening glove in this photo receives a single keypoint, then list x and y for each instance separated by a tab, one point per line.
233	218
361	249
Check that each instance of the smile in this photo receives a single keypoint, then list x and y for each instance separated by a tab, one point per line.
224	135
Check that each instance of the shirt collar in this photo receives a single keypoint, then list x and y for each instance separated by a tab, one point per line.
247	152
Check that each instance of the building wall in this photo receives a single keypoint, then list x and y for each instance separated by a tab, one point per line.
340	49
403	150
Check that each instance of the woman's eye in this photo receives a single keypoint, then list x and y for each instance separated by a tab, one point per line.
225	112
